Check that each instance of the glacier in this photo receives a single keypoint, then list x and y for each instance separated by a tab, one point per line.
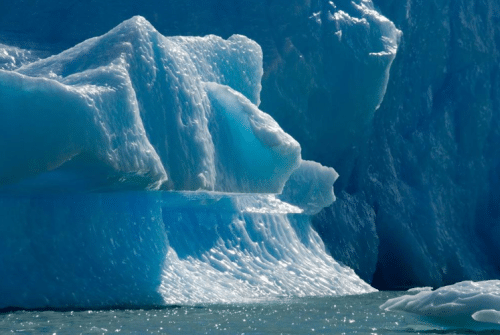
400	98
140	172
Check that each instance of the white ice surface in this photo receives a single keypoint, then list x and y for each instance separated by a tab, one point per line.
420	289
462	304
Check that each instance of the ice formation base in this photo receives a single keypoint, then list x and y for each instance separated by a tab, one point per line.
155	248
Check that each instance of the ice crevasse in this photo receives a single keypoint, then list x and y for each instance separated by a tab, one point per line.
137	170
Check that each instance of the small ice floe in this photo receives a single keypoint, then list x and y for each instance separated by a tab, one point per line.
420	289
467	305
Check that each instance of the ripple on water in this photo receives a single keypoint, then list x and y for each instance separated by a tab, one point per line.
324	315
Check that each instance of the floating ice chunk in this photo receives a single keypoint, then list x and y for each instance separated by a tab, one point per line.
134	110
460	305
316	17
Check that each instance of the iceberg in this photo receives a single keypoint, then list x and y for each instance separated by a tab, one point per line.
468	304
137	170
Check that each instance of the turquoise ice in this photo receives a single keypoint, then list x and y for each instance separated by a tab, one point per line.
140	172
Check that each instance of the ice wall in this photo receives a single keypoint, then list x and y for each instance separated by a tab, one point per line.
425	182
431	170
419	191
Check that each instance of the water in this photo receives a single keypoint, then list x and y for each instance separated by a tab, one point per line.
324	315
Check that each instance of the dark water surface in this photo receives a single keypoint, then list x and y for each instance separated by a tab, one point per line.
326	315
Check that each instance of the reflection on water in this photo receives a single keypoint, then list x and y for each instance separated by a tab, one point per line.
326	315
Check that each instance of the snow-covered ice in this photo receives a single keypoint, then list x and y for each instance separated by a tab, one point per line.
465	304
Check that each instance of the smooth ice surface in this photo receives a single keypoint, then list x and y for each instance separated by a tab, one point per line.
487	315
462	304
139	249
309	187
134	109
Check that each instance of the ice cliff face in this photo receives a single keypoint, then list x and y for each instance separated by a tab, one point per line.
426	180
431	167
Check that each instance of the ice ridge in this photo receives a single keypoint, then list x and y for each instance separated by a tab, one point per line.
144	111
